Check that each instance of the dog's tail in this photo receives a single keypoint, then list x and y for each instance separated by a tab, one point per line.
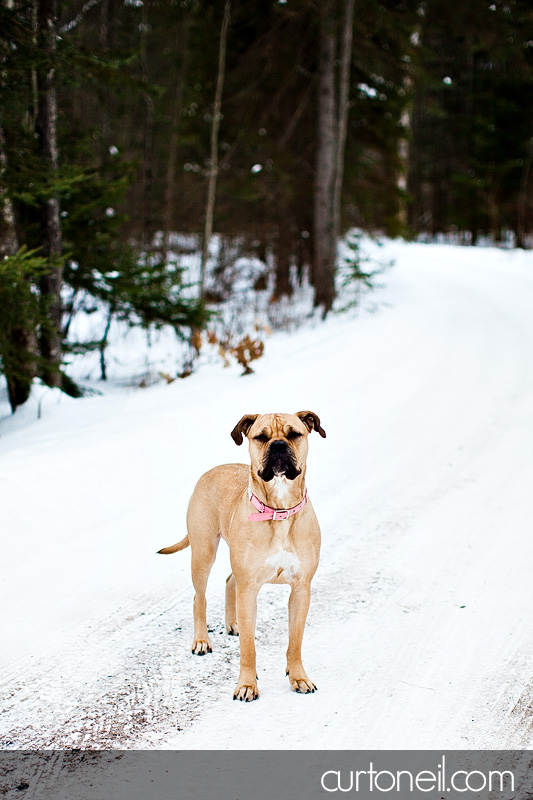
166	551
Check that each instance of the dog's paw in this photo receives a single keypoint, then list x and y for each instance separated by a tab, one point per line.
301	684
304	686
200	647
232	628
246	692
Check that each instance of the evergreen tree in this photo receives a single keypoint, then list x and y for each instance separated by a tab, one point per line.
323	119
473	120
64	196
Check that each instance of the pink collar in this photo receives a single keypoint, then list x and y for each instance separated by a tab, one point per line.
267	513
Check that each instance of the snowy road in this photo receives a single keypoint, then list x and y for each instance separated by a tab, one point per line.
420	633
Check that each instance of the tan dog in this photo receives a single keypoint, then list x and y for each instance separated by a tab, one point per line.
280	547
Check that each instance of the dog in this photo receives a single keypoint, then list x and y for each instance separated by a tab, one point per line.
264	514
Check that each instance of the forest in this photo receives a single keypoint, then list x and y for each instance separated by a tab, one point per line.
134	132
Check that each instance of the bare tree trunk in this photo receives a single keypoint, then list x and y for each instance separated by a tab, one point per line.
406	124
403	159
283	251
213	171
148	166
8	233
326	161
170	193
522	198
343	110
20	366
408	162
493	210
106	97
34	80
52	240
103	344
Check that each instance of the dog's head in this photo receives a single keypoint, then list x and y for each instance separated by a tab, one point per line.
278	442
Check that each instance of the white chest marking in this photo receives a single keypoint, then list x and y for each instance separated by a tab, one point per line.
287	562
281	489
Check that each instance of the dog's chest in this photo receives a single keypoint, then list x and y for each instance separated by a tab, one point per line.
281	559
285	563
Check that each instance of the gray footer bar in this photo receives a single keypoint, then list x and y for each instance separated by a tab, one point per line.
265	775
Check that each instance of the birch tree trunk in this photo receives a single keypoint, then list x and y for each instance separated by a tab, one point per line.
46	129
213	171
326	161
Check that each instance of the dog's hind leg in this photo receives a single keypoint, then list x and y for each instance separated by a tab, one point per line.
203	557
203	530
231	607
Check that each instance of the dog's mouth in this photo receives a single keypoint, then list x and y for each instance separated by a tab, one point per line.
277	464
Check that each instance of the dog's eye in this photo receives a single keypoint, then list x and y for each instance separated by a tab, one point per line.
294	435
261	437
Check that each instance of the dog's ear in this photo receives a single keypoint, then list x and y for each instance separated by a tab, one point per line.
311	421
242	427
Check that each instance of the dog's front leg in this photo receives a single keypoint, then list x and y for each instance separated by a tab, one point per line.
299	600
246	688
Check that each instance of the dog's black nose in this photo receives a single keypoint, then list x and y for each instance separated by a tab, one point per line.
278	446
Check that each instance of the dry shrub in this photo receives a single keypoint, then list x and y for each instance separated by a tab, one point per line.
260	327
246	351
243	349
196	339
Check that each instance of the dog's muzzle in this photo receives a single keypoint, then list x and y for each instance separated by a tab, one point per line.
279	460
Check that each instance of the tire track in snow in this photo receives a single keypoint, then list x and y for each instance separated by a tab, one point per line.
144	683
139	667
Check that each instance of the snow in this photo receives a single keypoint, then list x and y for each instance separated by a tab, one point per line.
420	631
